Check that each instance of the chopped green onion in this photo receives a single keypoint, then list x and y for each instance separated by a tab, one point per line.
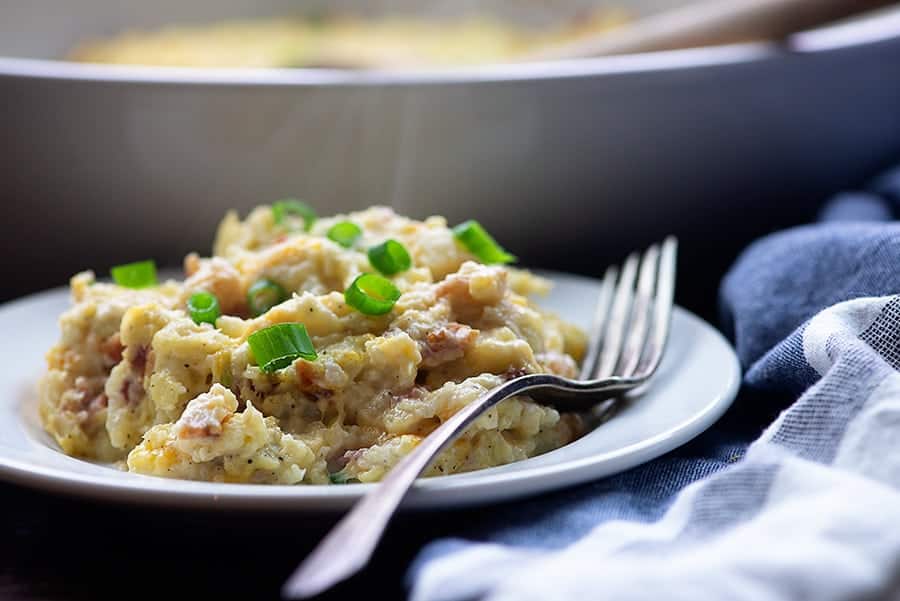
278	346
290	206
372	294
344	233
135	275
204	308
480	243
263	295
338	477
389	257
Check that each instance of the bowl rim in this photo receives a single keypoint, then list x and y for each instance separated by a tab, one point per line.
866	31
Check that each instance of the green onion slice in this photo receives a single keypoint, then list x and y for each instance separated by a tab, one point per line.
290	206
338	477
344	233
480	243
372	294
263	295
278	346
390	257
135	275
204	308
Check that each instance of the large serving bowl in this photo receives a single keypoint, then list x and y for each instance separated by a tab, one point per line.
568	163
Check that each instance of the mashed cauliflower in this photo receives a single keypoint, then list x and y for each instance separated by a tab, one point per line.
134	379
338	41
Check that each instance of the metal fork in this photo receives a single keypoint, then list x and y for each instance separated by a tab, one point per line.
626	343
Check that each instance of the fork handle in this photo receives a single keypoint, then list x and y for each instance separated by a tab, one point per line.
349	545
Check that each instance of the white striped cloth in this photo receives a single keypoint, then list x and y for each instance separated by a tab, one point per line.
812	511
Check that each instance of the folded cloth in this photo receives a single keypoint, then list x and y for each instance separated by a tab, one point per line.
809	510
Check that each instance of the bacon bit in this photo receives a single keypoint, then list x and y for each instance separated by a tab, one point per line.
98	402
148	363
132	389
415	393
206	415
304	374
84	399
280	238
349	456
339	460
319	394
188	431
447	343
112	348
205	430
307	381
139	360
514	372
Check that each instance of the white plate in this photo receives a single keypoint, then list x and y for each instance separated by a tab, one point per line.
696	383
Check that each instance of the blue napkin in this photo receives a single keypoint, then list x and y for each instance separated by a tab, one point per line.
767	299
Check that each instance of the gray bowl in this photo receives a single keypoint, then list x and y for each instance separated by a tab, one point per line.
570	164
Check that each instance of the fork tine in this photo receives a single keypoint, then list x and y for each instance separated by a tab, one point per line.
618	320
598	327
662	308
640	314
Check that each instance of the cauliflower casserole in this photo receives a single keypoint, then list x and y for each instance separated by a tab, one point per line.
341	41
174	379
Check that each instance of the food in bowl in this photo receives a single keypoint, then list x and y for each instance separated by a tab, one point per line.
308	351
338	41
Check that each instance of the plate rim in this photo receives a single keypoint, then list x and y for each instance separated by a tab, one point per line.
441	491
